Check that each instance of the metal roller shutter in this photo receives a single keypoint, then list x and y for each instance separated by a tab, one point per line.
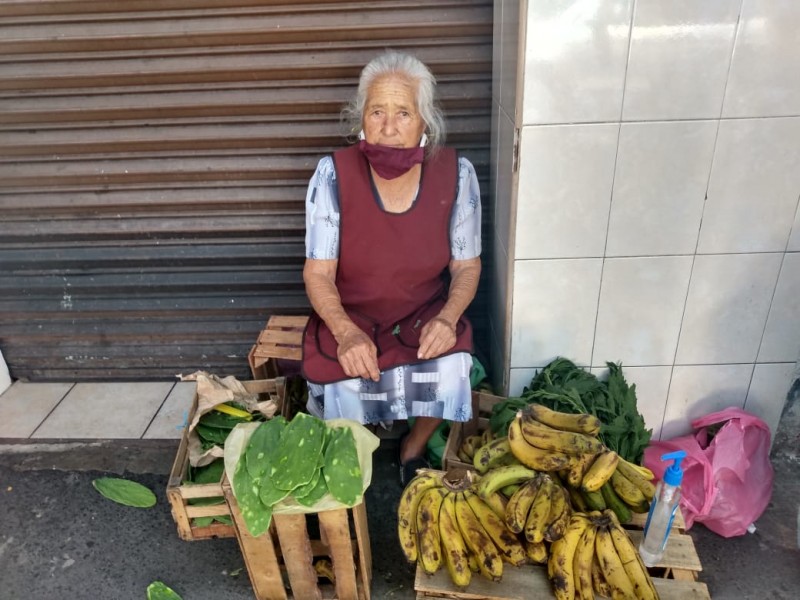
154	156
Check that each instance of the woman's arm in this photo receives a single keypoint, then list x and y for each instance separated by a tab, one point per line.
356	352
439	334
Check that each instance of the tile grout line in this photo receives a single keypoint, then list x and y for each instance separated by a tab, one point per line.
52	410
158	410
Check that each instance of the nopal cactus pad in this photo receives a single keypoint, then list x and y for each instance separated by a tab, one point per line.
298	452
341	470
263	446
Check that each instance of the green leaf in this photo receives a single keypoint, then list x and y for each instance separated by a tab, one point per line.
125	492
159	591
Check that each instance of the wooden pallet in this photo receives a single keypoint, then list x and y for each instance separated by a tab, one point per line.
675	577
280	562
282	338
180	495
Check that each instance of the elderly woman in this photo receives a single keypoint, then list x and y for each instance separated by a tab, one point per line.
387	219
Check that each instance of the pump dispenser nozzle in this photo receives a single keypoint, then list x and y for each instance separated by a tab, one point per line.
674	474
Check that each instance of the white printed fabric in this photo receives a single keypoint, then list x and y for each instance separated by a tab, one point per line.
435	388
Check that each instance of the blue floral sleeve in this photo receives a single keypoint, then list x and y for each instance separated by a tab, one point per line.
322	213
465	223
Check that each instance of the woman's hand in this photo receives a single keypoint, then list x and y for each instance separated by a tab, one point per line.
437	337
358	355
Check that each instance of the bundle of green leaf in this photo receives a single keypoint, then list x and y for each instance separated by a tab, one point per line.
303	458
211	473
214	426
565	387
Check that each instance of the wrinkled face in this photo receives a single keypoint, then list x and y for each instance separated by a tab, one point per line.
390	113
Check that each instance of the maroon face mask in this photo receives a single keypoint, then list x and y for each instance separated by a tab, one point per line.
390	162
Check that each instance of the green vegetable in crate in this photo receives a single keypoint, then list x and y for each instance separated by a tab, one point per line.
159	591
212	435
263	446
220	420
255	513
342	470
298	452
303	490
125	492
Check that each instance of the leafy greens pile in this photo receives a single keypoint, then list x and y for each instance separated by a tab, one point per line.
565	387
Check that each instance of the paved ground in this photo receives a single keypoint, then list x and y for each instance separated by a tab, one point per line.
60	539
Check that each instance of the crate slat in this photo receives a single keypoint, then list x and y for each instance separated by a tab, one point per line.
335	525
297	555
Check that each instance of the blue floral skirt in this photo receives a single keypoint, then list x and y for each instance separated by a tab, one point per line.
435	388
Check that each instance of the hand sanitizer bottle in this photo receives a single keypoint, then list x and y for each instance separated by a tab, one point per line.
662	511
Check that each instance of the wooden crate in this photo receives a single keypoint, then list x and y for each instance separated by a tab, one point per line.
280	562
180	494
482	404
675	577
282	338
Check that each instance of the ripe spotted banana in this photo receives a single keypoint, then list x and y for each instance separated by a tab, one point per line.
477	540
600	471
611	566
632	473
430	543
501	477
547	438
520	503
599	584
634	568
560	566
536	523
536	552
625	489
407	511
533	456
491	454
578	468
324	568
579	423
642	470
511	549
560	512
454	549
469	446
582	564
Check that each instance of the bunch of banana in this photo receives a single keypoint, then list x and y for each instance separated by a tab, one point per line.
471	443
496	453
612	482
596	556
547	440
540	508
444	525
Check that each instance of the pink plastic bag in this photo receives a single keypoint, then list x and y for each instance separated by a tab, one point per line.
727	483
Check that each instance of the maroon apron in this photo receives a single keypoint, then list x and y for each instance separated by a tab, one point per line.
391	266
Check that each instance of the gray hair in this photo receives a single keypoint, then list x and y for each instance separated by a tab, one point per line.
392	62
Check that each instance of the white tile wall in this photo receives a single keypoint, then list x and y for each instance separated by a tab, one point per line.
781	341
519	379
565	180
575	55
764	77
727	307
697	390
679	57
510	56
641	303
555	303
754	186
659	187
768	390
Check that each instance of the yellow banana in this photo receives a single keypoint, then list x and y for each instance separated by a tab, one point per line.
473	562
454	549
536	552
637	574
430	543
511	549
558	518
611	566
547	438
478	541
489	455
532	456
536	522
407	511
600	471
324	568
578	468
497	502
560	566
641	469
578	423
601	588
233	411
582	564
470	444
486	436
630	494
637	478
501	477
462	456
520	504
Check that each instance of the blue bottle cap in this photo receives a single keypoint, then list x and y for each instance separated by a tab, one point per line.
674	474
